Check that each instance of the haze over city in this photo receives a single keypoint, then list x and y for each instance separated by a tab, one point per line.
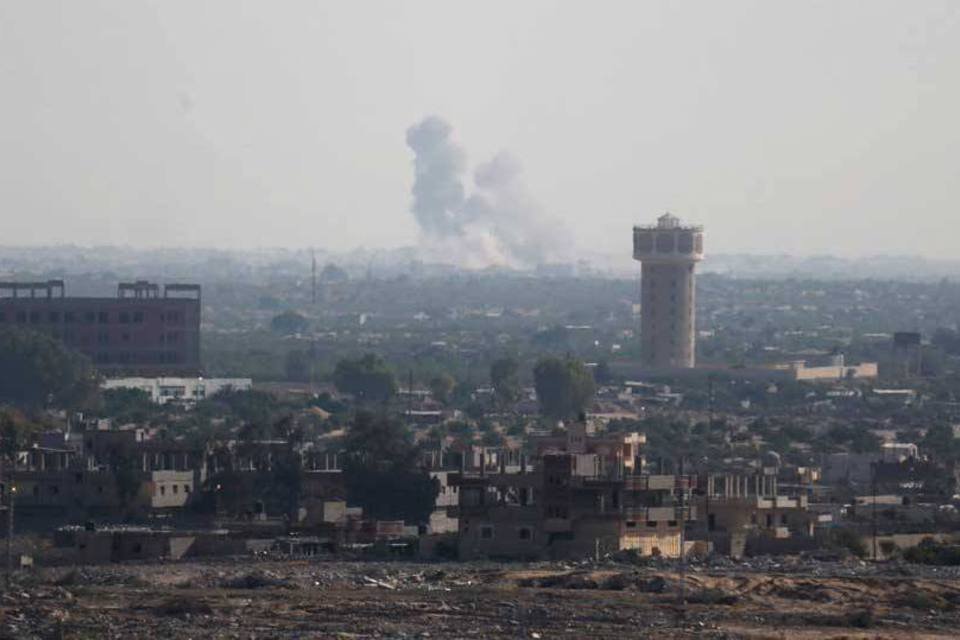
286	124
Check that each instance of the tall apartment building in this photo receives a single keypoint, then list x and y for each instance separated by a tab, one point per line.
668	253
144	330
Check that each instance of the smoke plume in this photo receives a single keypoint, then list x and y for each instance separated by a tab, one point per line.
497	223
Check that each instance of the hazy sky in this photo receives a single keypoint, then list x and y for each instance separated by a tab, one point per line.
802	126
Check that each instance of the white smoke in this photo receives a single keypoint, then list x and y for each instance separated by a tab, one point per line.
497	224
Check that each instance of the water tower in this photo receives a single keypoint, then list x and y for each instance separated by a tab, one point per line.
668	253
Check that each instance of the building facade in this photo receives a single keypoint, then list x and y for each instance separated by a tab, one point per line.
668	253
581	495
178	390
143	330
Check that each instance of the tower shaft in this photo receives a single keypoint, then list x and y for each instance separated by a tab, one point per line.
667	321
668	252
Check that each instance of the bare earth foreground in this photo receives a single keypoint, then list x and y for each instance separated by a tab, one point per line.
338	599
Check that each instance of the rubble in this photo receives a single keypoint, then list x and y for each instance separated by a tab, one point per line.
606	599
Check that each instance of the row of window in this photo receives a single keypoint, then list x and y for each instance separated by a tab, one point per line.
103	337
140	357
523	533
652	524
85	317
54	490
174	489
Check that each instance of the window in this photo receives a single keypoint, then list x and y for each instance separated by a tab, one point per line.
103	317
671	523
176	489
124	317
89	317
53	316
163	490
769	520
186	488
21	316
525	533
69	317
631	524
138	317
3	316
651	523
34	317
486	531
783	519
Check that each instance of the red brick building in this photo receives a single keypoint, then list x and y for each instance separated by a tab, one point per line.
144	330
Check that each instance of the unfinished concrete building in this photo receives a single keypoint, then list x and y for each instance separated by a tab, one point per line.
589	496
745	513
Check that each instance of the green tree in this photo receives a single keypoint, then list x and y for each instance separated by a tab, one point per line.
289	322
564	387
37	370
940	443
128	405
441	387
505	379
297	365
16	432
367	378
381	472
333	273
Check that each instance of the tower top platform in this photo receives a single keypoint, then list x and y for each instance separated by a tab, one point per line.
668	241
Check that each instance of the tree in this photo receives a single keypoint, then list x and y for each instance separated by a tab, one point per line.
940	443
602	373
289	322
37	370
248	406
441	387
297	365
381	473
16	433
505	379
564	387
333	273
368	378
125	405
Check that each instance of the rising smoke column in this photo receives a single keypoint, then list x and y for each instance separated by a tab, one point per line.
497	224
438	193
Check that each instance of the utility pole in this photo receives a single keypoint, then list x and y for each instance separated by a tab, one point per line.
873	469
683	558
410	397
11	493
710	398
313	261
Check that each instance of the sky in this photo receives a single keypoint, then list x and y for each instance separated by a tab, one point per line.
805	127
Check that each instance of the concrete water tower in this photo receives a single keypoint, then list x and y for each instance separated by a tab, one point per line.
668	253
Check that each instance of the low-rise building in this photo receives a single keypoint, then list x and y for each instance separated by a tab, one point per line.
185	391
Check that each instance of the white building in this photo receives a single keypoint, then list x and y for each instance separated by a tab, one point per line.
181	390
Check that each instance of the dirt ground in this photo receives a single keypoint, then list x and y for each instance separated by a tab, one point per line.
336	599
